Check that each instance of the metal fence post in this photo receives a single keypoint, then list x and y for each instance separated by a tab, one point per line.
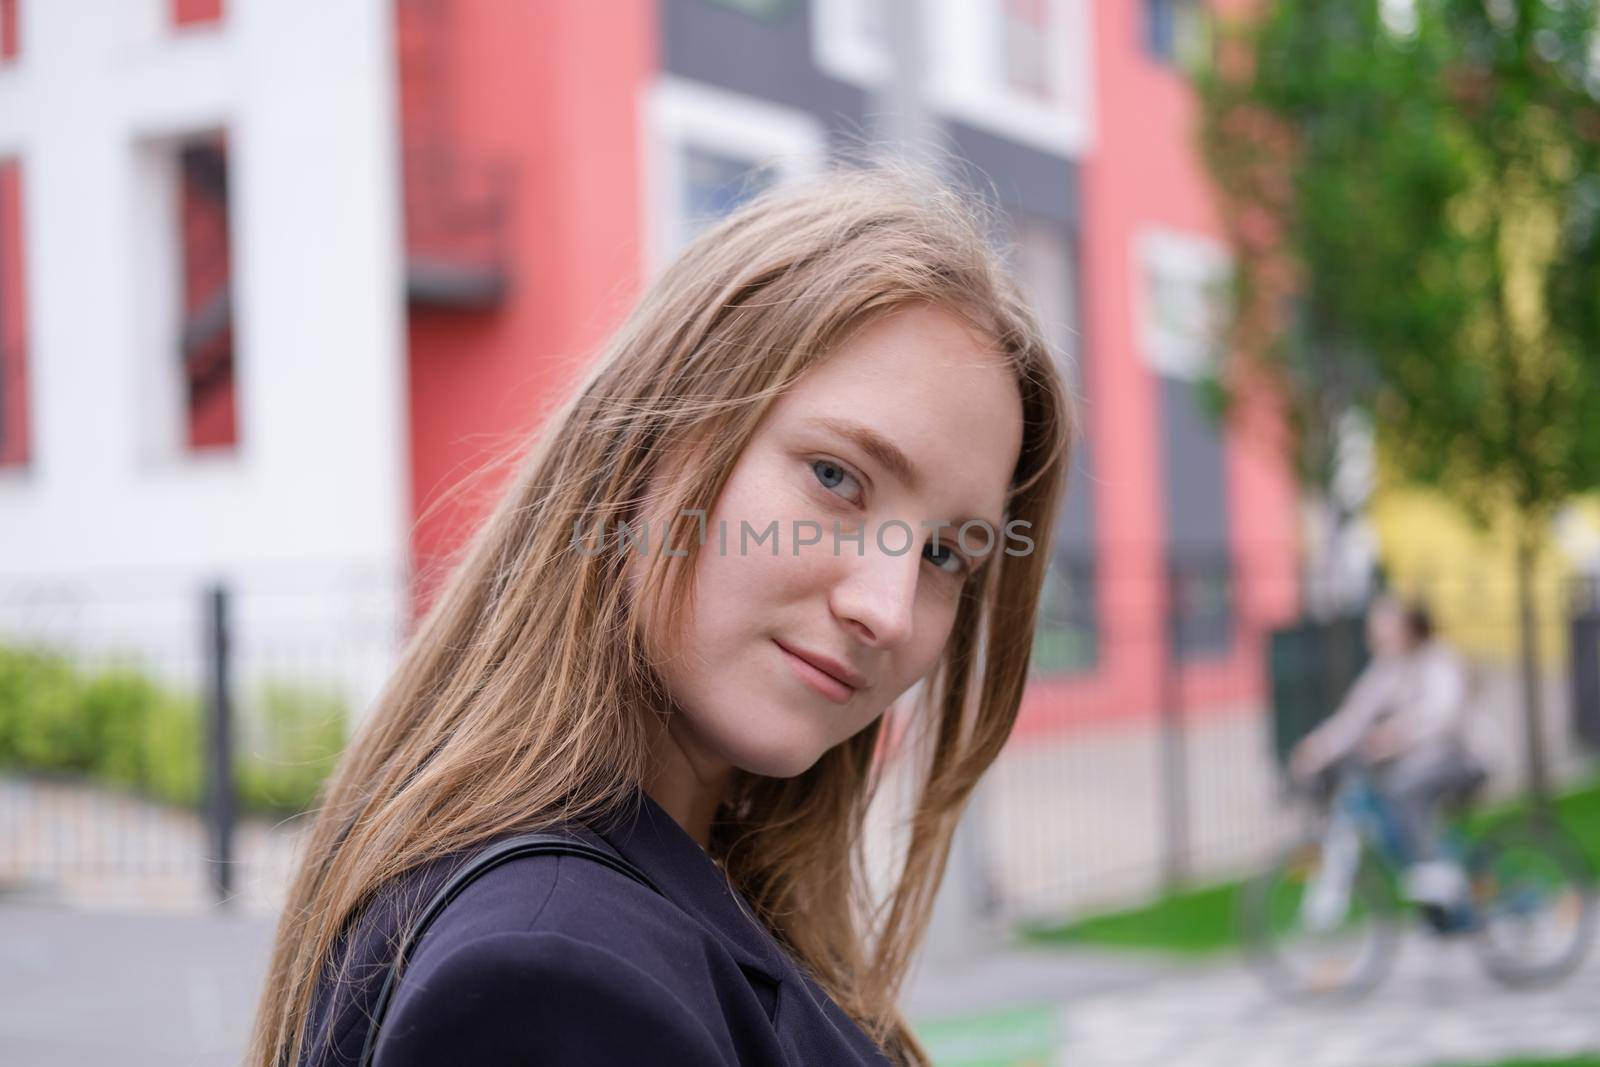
1174	755
220	803
1583	627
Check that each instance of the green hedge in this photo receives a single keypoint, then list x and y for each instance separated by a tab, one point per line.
117	725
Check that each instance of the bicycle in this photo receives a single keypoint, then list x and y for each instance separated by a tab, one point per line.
1323	922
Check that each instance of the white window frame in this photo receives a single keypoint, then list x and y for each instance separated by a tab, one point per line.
962	40
157	307
679	114
1188	257
160	386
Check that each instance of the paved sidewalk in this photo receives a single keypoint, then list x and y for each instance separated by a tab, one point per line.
1437	1007
82	988
1005	977
85	987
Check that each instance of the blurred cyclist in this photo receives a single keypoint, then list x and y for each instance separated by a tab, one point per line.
1405	716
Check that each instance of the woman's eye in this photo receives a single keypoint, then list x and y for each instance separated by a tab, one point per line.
831	475
948	557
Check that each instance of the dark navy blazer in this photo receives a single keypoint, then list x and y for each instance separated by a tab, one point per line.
561	960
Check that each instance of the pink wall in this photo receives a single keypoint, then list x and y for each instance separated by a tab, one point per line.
553	89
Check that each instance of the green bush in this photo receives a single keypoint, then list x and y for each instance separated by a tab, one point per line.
120	726
172	744
15	678
39	722
116	706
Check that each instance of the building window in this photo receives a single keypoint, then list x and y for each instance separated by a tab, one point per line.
195	12
850	39
1181	285
1019	68
1200	596
206	346
13	333
1176	31
714	183
1026	37
1045	264
869	24
1067	638
10	43
710	151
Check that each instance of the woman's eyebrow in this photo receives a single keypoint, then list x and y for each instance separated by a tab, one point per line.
882	450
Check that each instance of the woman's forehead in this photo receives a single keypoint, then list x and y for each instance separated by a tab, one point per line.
924	397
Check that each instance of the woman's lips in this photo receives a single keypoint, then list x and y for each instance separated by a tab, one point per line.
816	678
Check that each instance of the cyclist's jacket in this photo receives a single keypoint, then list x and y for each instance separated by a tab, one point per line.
1423	694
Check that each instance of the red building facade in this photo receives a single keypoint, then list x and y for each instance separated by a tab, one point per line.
533	195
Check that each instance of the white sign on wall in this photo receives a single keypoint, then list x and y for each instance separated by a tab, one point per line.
1180	293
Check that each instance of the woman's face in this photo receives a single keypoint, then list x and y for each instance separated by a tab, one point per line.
785	655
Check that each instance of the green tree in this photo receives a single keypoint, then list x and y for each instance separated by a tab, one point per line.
1413	194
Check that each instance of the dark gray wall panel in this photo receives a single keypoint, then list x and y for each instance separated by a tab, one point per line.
1025	178
765	57
770	57
1196	489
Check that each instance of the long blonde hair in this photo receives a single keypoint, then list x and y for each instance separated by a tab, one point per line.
508	710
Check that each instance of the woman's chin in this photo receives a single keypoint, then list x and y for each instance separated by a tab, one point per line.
772	757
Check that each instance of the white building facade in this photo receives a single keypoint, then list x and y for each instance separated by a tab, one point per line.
298	498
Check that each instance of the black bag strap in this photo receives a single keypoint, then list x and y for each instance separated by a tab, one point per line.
543	843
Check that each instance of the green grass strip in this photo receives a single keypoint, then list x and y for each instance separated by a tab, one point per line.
1200	921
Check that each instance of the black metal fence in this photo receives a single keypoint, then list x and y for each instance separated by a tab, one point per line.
1149	757
1161	765
158	736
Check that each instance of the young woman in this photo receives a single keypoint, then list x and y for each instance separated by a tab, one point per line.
849	427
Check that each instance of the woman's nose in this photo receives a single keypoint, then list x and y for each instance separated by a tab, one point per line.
878	593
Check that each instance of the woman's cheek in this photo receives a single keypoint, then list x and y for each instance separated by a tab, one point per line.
933	631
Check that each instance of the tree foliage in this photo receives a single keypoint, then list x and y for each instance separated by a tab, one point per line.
1413	194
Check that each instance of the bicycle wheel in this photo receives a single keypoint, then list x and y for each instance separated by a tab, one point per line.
1320	928
1534	903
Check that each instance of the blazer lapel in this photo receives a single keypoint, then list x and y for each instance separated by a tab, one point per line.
645	834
